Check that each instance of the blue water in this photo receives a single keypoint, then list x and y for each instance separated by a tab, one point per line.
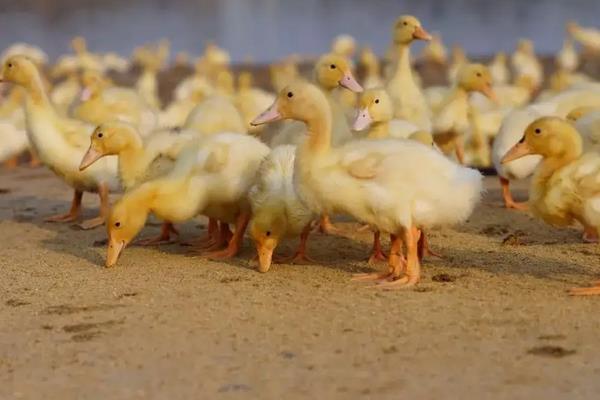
270	29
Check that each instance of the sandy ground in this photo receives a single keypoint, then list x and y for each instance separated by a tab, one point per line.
489	321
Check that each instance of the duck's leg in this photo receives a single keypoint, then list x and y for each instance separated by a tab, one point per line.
590	234
424	249
235	243
12	162
325	226
396	263
413	267
212	235
221	237
73	212
509	202
377	253
300	256
586	291
34	160
459	150
164	238
104	208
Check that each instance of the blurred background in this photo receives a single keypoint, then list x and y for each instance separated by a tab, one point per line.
270	29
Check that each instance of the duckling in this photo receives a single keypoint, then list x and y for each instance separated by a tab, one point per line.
499	69
13	136
151	62
435	51
589	38
178	111
371	67
566	184
587	123
409	102
452	120
196	83
251	100
139	161
34	53
375	181
211	177
459	60
216	114
376	112
64	93
277	211
283	73
61	142
567	58
526	64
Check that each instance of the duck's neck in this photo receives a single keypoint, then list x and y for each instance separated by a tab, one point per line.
403	67
379	130
319	132
372	70
132	163
458	94
550	165
36	92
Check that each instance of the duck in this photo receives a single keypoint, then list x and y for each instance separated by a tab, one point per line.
100	101
459	60
375	181
435	51
34	53
196	83
215	114
526	64
65	92
211	176
178	110
61	142
277	211
13	135
375	113
140	159
251	100
499	69
371	67
151	61
566	184
451	121
409	101
283	72
567	58
589	38
587	123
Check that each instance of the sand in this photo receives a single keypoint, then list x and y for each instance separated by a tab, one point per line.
489	321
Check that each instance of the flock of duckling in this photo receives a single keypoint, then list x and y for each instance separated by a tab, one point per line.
399	167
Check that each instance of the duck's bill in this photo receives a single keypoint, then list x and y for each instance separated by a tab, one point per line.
421	34
265	256
350	83
363	120
490	94
90	157
519	150
115	247
270	115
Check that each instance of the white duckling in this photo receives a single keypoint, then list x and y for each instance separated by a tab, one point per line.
277	211
566	184
526	64
587	123
375	181
213	181
409	101
588	37
61	142
13	136
567	58
451	122
499	69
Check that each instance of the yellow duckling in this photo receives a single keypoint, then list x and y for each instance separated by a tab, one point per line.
216	114
375	181
587	123
277	211
452	120
65	93
213	181
13	136
499	69
567	58
151	61
251	101
409	101
376	112
61	142
589	38
283	73
196	83
435	51
459	60
526	64
371	67
566	184
344	45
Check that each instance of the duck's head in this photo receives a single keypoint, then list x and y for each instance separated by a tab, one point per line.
300	101
333	70
408	28
267	229
375	105
525	46
500	58
107	139
344	45
476	78
126	219
19	70
79	44
550	137
578	112
245	80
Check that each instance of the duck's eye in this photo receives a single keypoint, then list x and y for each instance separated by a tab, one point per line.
479	74
268	233
405	23
9	65
100	134
332	66
538	131
376	101
290	94
117	224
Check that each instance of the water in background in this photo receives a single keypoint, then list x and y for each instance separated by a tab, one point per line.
269	29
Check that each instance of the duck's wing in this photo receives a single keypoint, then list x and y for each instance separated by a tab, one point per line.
76	132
